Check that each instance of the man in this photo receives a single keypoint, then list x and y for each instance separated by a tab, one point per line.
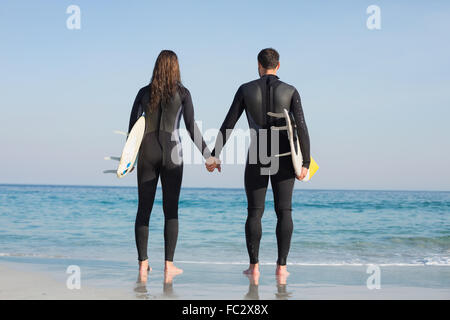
257	98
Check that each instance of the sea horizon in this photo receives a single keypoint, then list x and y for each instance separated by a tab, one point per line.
214	188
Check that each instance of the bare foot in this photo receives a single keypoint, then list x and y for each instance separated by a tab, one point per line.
253	269
282	279
253	278
168	277
281	271
170	269
144	268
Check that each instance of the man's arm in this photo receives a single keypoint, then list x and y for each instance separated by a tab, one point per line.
302	130
233	115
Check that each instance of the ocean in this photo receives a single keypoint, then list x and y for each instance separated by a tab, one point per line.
94	226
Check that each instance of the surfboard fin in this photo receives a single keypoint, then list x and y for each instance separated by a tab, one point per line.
283	154
279	128
275	115
121	132
112	158
313	167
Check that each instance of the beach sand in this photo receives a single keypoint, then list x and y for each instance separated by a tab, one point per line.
25	280
24	285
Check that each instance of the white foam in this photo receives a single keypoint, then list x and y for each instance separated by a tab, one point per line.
435	261
33	255
336	264
428	261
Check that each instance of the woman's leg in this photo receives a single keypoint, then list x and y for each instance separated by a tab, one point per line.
146	193
171	185
149	163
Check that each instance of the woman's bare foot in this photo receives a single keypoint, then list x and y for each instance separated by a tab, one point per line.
144	268
253	269
169	268
168	277
281	271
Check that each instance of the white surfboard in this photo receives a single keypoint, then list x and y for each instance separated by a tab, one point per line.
131	148
295	153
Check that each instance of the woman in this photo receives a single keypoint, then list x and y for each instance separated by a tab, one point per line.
162	102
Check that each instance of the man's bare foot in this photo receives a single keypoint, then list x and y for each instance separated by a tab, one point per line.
281	271
169	268
253	269
282	279
253	278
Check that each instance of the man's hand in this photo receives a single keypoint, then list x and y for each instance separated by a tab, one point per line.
212	163
302	174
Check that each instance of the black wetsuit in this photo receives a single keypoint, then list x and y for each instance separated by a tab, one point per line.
257	98
160	156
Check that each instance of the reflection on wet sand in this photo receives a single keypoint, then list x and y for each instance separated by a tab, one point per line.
168	291
142	292
282	293
252	293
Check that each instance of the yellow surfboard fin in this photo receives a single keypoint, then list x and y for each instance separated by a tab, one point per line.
313	167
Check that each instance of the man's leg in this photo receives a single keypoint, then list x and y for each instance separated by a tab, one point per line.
255	188
282	186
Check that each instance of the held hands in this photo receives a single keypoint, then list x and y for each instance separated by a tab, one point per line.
302	174
212	163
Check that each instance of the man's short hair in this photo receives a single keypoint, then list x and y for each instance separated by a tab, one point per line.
268	58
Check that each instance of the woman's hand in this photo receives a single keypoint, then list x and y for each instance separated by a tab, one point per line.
212	163
302	174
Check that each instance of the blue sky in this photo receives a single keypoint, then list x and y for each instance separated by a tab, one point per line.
376	101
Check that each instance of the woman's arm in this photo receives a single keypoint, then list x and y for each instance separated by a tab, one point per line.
191	126
137	110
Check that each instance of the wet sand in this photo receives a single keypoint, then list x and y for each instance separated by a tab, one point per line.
217	282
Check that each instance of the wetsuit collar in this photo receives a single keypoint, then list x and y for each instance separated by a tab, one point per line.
269	75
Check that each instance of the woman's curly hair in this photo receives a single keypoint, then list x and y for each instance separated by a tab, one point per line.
165	79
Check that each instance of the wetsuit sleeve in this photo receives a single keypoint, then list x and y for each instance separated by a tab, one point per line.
233	115
191	126
136	111
302	130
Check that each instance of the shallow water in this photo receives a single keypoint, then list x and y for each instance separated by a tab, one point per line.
94	226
